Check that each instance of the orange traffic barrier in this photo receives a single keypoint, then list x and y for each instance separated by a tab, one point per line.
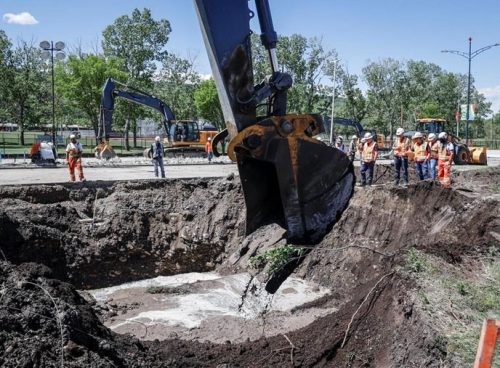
487	343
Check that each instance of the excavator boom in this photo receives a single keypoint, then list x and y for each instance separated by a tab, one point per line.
109	92
287	176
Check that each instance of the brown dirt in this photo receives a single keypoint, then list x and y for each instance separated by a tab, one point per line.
363	258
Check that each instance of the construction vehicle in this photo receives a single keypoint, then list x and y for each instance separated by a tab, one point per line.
42	153
463	154
183	136
287	176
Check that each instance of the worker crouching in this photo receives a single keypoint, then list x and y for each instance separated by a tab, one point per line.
369	154
422	154
74	151
401	148
445	158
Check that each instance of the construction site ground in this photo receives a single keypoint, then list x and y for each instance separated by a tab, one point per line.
160	273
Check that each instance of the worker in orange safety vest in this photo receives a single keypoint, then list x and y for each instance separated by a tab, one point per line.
209	150
401	147
74	152
422	154
369	156
434	155
445	159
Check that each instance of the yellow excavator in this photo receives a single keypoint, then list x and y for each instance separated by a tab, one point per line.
288	177
184	137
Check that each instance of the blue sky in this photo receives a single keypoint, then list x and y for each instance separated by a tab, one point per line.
360	30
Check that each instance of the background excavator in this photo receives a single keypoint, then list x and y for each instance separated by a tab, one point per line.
184	136
287	176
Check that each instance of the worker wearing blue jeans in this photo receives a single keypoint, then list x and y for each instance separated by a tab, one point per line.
369	155
157	157
422	154
401	147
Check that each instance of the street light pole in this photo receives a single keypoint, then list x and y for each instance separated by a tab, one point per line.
333	98
468	97
469	56
49	48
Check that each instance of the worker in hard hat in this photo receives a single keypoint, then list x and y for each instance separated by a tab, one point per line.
369	156
445	159
434	155
422	154
353	147
157	154
339	143
401	148
209	150
74	151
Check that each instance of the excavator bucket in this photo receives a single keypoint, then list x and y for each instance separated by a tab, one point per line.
288	176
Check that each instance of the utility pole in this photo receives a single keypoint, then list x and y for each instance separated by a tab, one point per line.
469	56
333	98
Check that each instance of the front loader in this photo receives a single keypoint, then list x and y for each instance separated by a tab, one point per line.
287	176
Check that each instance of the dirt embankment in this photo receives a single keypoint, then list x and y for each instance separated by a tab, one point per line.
374	261
102	234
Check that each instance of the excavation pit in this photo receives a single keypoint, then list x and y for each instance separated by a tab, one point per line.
403	279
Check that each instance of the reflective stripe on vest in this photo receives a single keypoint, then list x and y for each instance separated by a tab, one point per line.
74	153
443	153
421	151
403	145
369	152
435	150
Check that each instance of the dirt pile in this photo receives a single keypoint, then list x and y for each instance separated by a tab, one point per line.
387	264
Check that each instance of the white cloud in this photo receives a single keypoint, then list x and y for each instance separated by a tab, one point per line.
23	18
492	94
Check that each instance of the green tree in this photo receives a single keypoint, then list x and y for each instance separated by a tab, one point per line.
28	92
5	72
140	41
306	61
176	84
207	102
80	82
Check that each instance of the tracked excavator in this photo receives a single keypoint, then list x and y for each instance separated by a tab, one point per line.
184	137
287	176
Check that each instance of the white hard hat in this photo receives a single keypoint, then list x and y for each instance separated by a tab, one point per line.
209	138
443	135
368	135
400	131
157	138
417	135
354	137
340	138
71	136
363	140
431	136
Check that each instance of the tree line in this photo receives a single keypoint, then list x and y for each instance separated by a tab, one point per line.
134	51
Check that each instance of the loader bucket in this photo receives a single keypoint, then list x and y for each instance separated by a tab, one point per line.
478	155
290	178
104	151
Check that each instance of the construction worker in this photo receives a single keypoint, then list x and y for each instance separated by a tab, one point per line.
157	153
353	147
339	143
209	150
445	158
401	147
369	156
74	151
422	154
434	155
